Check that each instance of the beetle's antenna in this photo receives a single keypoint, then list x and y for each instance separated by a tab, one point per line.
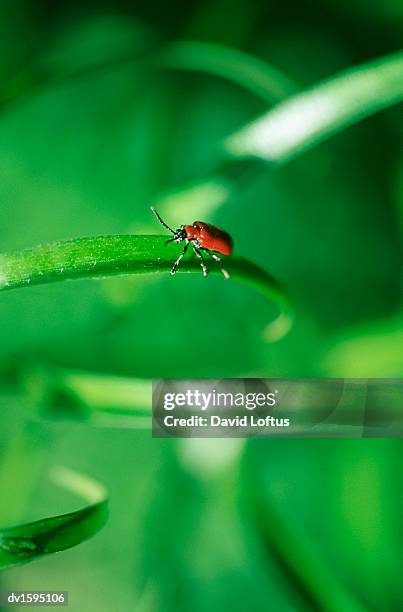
160	220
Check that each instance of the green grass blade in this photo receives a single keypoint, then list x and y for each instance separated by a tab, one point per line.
97	399
248	71
120	254
312	116
301	561
25	543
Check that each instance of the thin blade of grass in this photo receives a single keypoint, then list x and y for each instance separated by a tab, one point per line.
309	118
99	400
102	256
246	70
30	541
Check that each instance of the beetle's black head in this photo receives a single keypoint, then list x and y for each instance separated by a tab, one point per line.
179	234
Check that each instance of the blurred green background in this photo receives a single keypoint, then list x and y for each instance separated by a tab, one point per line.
92	131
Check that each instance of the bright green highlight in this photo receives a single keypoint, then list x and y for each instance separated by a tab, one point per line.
309	118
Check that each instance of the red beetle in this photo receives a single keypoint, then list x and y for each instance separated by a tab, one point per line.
203	237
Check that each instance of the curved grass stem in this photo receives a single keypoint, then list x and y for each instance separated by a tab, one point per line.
102	256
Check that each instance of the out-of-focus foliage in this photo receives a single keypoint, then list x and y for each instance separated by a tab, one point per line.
97	122
309	118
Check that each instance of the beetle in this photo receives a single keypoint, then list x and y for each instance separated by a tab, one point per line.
204	238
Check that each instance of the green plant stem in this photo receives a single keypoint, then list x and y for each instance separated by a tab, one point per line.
102	256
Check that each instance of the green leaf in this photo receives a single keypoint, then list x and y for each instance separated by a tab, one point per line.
30	541
298	553
116	255
246	70
311	117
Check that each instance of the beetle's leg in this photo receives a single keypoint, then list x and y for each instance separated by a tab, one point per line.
219	260
200	256
170	240
177	262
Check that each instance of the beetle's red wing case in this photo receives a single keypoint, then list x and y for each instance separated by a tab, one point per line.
213	238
